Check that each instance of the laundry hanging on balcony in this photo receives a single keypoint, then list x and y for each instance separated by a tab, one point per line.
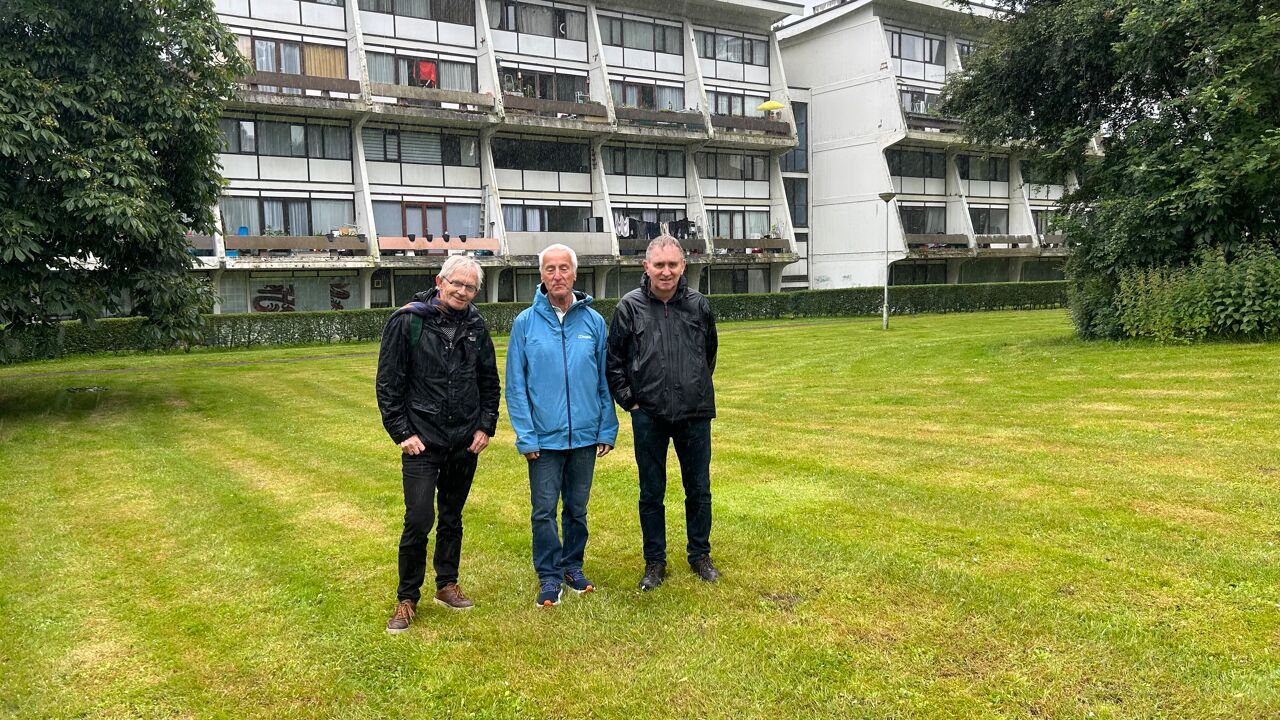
427	73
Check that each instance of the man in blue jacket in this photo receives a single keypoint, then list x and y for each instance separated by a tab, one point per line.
562	414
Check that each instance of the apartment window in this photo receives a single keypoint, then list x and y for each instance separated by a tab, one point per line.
325	60
399	219
460	150
545	218
731	48
645	162
797	159
281	139
732	166
965	48
641	35
1033	174
972	167
544	85
460	12
240	216
284	216
549	156
420	71
917	55
419	148
797	190
923	219
537	20
739	224
918	100
238	136
990	220
916	162
649	97
724	103
1044	219
919	273
331	142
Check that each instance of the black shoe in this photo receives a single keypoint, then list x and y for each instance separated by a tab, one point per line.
703	567
653	574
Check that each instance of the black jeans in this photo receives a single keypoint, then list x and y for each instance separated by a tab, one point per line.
432	476
692	439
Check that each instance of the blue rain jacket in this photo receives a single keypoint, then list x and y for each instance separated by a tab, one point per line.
557	394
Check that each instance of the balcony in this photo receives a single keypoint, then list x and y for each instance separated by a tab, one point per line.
554	108
751	124
303	83
740	250
291	245
937	245
686	119
931	123
435	97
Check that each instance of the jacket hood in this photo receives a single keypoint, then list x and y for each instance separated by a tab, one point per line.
422	306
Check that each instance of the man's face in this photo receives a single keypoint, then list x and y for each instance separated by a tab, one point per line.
558	275
664	268
459	289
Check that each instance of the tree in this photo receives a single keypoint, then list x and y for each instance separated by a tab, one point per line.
1185	97
108	157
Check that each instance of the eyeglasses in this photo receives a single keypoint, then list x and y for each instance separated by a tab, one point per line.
463	286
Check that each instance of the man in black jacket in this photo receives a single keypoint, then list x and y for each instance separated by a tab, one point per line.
438	394
662	351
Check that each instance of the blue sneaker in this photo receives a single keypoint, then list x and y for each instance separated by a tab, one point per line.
550	594
578	582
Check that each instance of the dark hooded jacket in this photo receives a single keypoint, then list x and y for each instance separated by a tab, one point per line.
440	389
662	354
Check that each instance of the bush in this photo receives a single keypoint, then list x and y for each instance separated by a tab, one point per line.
299	328
1212	298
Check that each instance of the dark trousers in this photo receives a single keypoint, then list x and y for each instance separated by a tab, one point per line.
692	439
433	477
556	476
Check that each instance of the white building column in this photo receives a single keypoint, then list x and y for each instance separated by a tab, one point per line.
492	275
366	287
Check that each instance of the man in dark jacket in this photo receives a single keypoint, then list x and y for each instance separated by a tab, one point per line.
662	351
438	394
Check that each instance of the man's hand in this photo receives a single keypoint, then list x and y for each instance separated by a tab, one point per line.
534	455
479	442
603	449
412	446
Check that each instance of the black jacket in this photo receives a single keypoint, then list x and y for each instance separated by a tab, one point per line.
661	355
440	390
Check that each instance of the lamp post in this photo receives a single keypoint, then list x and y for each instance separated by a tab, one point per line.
887	197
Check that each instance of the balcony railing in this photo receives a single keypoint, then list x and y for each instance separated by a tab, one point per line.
475	102
437	245
554	108
688	118
750	124
932	123
301	82
583	243
355	244
736	246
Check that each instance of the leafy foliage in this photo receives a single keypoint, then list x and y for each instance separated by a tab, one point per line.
108	157
1186	97
304	328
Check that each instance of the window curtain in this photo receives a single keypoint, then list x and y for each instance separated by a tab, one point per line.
281	139
536	20
669	98
240	212
332	214
325	61
463	220
575	25
642	162
513	217
422	148
457	12
457	76
757	223
382	67
935	220
264	55
637	35
413	8
372	138
387	220
337	142
494	8
298	217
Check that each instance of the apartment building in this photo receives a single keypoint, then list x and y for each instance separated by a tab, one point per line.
376	137
865	75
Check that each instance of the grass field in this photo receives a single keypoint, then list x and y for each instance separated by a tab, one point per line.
969	516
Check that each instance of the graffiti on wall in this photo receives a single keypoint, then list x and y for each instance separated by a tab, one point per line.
339	294
274	298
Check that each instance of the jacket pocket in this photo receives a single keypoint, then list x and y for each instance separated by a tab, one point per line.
428	408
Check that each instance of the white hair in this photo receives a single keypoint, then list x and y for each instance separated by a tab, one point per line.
573	256
462	262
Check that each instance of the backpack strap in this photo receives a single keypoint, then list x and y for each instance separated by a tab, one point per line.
415	328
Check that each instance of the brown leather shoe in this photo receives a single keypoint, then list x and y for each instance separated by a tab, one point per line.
403	616
451	597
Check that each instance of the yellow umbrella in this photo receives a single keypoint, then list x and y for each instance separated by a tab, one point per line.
770	105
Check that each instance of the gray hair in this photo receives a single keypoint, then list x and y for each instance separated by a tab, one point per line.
660	242
573	256
462	262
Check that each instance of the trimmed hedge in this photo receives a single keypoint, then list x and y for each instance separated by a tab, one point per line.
244	330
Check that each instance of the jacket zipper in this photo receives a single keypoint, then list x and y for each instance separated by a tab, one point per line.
564	354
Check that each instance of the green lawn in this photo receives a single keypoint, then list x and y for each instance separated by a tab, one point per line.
969	516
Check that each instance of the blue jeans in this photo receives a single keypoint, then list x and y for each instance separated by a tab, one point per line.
692	440
558	474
